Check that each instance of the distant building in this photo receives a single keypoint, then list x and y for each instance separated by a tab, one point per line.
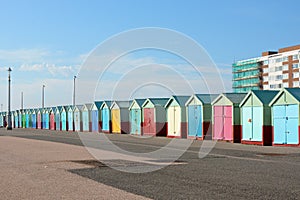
272	71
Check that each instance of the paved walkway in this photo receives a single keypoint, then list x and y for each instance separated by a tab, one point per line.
33	169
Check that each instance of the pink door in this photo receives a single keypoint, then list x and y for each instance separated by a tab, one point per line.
218	133
39	121
228	135
149	123
52	124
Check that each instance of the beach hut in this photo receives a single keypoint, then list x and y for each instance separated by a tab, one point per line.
52	125
57	118
135	116
78	117
96	116
285	117
120	117
16	119
87	117
70	118
20	118
226	117
176	117
1	120
24	118
199	112
64	118
39	118
46	118
33	118
28	123
154	117
256	117
106	117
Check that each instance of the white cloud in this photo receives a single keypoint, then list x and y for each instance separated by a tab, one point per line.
61	70
23	55
34	67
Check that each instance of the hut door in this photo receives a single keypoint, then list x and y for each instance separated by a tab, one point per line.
95	120
149	123
85	121
105	119
174	120
57	120
70	121
52	126
135	121
228	134
77	121
247	121
63	121
116	122
257	123
292	113
218	133
286	124
195	120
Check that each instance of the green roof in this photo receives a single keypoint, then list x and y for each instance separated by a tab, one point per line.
265	96
295	92
206	98
235	97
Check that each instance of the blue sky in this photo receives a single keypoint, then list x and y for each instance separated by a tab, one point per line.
45	42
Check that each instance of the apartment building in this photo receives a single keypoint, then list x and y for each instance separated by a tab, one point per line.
272	71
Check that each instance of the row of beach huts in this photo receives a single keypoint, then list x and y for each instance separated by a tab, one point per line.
257	117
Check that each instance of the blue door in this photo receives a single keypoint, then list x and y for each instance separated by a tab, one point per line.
70	121
33	119
292	113
279	123
20	120
57	121
135	121
63	121
257	124
77	121
285	122
95	120
195	121
85	121
27	121
247	123
16	121
105	119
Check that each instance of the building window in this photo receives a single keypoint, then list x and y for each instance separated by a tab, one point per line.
278	77
295	57
285	67
266	62
265	78
284	59
278	60
296	84
265	70
278	68
266	87
285	76
295	65
296	75
285	85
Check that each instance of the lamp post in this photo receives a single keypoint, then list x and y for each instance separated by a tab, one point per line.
74	90
74	78
43	105
9	113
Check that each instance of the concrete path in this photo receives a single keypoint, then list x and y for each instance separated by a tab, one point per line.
33	169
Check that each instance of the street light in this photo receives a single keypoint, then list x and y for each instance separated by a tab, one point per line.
9	127
43	96
74	90
73	123
43	105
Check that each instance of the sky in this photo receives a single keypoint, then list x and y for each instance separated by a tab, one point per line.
48	42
